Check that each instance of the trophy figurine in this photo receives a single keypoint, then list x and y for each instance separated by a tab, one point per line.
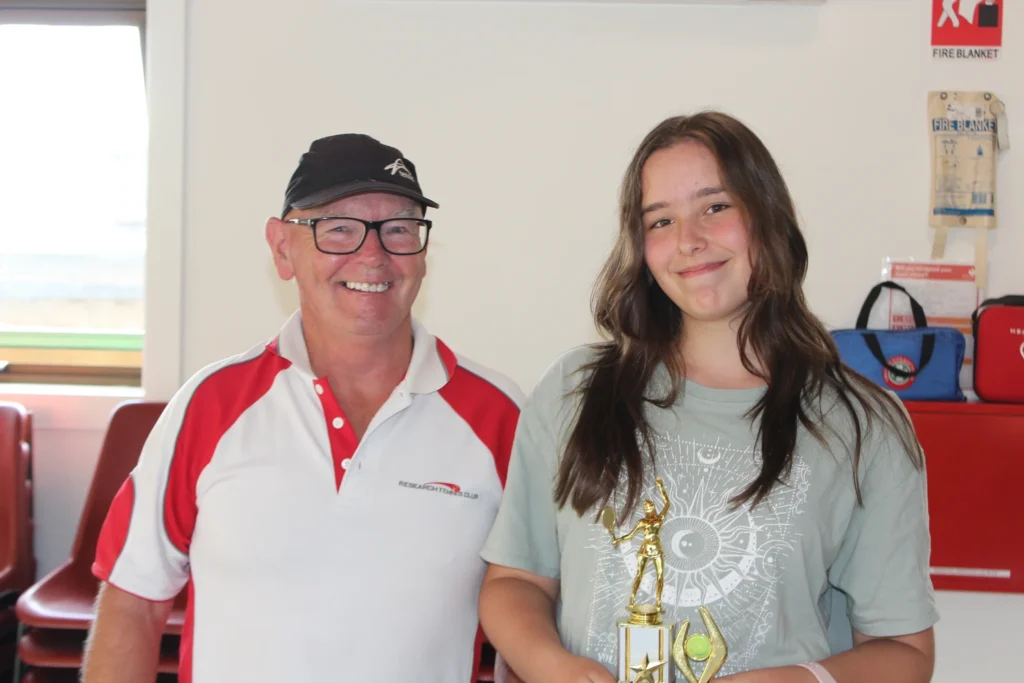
645	644
644	641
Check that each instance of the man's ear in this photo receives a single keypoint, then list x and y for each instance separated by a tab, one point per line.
277	239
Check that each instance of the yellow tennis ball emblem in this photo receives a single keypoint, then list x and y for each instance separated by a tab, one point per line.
698	647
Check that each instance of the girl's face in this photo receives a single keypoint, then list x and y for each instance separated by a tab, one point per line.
696	237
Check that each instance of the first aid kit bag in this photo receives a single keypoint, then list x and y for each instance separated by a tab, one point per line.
998	327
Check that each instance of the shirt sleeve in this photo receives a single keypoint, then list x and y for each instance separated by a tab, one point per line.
145	538
136	551
883	562
525	533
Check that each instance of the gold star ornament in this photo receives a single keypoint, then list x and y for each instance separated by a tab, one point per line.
644	670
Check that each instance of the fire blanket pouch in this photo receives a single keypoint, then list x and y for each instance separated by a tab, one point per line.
968	131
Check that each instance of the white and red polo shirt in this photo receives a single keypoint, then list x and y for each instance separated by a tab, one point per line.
309	555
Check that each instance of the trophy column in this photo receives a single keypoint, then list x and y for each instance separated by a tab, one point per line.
645	648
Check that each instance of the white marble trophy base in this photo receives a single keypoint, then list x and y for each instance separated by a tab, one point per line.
653	640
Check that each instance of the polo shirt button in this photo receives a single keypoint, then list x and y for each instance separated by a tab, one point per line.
319	389
338	423
345	463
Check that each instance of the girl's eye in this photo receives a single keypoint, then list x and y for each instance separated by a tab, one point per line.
659	224
716	208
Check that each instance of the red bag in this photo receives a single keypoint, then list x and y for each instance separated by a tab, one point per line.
998	326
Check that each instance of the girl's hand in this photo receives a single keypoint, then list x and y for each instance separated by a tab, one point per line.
570	669
580	670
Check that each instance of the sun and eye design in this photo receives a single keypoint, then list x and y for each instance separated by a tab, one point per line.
716	553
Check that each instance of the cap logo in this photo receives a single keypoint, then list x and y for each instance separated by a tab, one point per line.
397	166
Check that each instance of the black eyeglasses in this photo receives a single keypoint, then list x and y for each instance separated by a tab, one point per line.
344	235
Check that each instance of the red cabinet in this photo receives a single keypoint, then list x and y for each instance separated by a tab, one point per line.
975	461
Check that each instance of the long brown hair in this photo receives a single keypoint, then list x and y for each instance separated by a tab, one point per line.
794	353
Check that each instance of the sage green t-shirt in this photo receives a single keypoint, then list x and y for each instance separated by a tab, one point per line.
768	575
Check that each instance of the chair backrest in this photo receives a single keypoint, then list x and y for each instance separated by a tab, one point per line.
17	555
129	427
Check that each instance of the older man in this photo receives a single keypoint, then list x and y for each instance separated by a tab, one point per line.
324	495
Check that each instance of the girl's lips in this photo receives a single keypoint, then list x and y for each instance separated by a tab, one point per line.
702	269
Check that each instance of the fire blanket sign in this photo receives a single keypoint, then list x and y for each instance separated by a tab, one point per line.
967	29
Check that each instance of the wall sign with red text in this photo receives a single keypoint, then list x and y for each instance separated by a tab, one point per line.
967	29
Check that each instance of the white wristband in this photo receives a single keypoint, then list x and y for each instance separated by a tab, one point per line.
820	672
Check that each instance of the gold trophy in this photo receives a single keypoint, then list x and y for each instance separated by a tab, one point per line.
646	647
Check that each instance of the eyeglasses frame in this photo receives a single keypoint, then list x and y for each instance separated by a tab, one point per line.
369	226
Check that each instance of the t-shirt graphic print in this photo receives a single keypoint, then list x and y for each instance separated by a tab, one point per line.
716	554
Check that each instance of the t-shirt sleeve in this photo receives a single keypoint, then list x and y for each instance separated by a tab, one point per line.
525	534
143	543
883	562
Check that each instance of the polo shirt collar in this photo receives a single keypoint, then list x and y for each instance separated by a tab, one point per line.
430	368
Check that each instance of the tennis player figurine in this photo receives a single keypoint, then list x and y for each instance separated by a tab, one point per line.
650	550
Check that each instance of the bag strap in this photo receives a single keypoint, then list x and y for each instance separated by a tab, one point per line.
862	320
1008	300
927	347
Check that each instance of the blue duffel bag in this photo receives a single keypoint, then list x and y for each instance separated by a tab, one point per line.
918	364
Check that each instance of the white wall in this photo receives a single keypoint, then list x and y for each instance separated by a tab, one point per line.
521	118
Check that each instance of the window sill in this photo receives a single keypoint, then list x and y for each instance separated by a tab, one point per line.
69	407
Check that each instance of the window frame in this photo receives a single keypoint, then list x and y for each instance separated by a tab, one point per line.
77	357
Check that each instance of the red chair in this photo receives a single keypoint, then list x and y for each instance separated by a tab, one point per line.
17	557
56	613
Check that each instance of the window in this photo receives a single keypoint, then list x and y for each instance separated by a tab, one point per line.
73	130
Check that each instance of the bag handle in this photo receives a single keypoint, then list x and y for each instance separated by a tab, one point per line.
1008	300
919	317
871	339
927	347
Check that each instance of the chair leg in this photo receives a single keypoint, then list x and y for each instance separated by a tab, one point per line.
17	653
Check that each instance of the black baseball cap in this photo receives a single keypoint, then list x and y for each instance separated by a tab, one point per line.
348	164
